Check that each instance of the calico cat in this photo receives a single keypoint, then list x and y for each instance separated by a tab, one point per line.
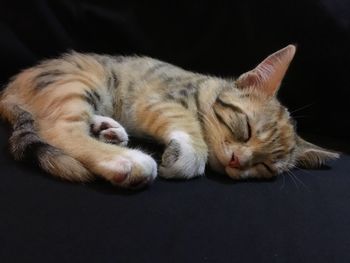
73	115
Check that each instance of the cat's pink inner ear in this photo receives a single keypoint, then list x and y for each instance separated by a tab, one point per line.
268	75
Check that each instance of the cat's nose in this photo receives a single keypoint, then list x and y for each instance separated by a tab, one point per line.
234	162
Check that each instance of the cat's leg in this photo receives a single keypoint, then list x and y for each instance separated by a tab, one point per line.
119	165
186	152
108	130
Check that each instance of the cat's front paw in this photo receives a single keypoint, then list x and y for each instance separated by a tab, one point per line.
181	160
109	131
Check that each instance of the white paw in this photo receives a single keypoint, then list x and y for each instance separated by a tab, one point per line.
133	169
117	170
180	160
146	164
109	130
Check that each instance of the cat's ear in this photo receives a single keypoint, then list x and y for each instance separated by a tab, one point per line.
312	156
268	75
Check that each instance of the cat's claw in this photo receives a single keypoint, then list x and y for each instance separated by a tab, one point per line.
108	130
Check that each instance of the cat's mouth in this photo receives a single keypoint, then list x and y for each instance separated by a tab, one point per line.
231	161
236	169
226	165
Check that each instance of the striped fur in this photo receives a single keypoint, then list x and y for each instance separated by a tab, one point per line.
199	118
25	143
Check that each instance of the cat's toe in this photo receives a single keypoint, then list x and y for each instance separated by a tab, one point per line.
108	130
100	123
114	136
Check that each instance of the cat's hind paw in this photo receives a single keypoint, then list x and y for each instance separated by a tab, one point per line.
108	130
133	169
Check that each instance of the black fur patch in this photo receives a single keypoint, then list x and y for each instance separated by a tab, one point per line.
112	82
229	105
243	96
183	92
24	141
169	96
93	98
20	141
184	103
153	69
46	78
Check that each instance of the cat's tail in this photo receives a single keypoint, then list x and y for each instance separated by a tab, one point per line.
26	144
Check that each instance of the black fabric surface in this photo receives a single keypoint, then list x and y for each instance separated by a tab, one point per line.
299	217
303	217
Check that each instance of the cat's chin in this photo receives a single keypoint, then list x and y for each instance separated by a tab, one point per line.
237	174
216	165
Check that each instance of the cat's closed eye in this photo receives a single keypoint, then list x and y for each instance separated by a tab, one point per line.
234	119
249	129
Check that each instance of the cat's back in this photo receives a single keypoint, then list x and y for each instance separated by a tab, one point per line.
119	74
97	68
143	68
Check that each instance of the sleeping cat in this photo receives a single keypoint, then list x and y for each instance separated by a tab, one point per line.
73	115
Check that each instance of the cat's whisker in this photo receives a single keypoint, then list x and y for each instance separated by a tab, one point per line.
301	108
299	180
284	181
295	167
291	176
302	170
301	116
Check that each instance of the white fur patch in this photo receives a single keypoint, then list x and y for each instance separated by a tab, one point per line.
148	164
245	174
180	136
238	174
189	163
118	165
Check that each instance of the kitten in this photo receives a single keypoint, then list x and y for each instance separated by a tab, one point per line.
72	114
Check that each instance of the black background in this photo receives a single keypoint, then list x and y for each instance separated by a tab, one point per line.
212	219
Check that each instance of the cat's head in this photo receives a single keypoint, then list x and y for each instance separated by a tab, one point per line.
250	134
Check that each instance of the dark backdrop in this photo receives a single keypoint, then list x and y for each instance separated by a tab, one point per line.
224	38
299	217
